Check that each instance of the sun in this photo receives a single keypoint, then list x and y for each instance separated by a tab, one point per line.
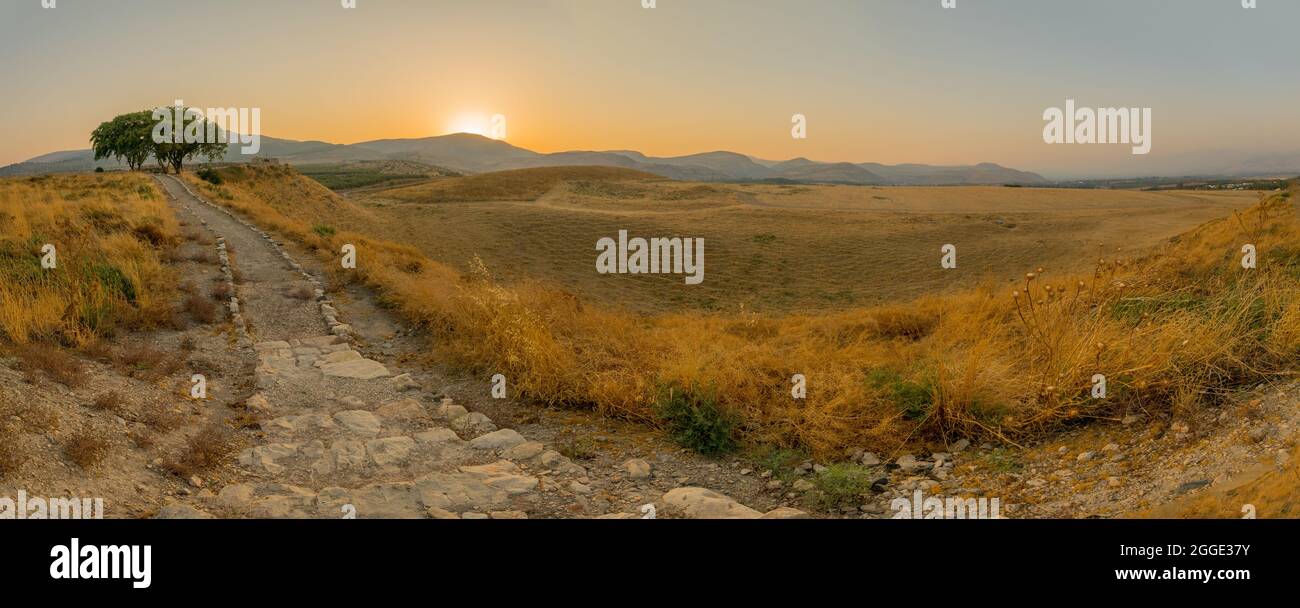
477	124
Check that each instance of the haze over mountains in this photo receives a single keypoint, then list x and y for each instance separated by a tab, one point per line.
470	153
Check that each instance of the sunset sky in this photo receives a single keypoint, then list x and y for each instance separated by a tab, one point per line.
889	81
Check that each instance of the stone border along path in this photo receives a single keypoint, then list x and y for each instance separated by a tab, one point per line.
345	437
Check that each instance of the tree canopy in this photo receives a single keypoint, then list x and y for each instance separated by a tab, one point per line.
125	138
170	135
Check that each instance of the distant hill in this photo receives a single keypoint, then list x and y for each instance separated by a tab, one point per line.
466	153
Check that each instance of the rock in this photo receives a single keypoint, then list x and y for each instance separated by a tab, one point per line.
405	382
361	369
338	356
908	463
348	454
785	513
264	456
449	411
235	496
1109	448
869	459
406	410
436	513
360	422
500	467
501	475
702	503
258	404
512	485
959	445
802	485
196	481
270	346
320	341
472	515
1113	482
508	515
352	402
746	471
550	459
579	488
525	451
775	484
437	436
498	440
1128	420
637	468
390	451
334	502
388	501
817	468
1258	434
1084	457
472	425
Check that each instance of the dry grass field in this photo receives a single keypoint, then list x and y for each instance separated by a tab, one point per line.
1179	326
776	248
108	233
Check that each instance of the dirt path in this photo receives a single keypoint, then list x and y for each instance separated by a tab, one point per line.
344	435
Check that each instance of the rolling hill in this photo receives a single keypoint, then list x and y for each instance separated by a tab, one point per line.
469	153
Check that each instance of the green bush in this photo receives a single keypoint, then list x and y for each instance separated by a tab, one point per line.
323	230
114	281
695	421
841	485
914	399
210	175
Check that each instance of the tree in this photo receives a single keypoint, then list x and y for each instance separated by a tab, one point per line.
170	135
125	138
180	134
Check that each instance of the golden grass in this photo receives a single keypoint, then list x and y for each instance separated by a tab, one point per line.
1180	328
516	185
778	249
109	232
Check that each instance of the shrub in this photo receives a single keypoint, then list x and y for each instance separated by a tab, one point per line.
53	362
323	230
914	399
210	175
201	309
110	401
695	421
204	450
86	449
13	453
841	485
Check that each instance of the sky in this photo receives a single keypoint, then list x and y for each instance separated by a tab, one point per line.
890	81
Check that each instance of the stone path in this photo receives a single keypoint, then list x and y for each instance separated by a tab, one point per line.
345	436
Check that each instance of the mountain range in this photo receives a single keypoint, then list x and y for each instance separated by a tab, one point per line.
468	153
